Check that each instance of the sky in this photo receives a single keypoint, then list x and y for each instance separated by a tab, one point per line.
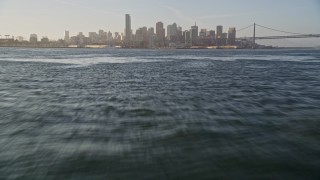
52	17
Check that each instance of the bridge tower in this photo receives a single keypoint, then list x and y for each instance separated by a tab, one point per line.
254	36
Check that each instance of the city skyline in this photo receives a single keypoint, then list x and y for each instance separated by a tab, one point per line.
81	16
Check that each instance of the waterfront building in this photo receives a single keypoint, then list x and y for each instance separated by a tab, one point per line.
141	37
66	36
194	34
187	37
150	32
110	36
128	30
101	36
33	38
20	38
179	33
81	39
160	33
232	36
117	39
44	40
144	33
224	39
138	38
117	36
219	32
225	36
219	36
93	37
151	38
179	30
203	33
211	34
172	31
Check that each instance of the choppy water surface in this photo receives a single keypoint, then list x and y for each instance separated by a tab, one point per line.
159	114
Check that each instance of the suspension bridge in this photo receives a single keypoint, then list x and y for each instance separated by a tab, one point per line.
289	35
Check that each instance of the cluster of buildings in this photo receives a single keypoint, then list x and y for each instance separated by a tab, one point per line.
33	41
173	36
159	37
94	39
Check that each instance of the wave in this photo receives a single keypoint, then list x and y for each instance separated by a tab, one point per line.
87	57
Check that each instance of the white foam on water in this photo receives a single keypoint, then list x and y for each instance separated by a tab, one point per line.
92	59
242	57
85	61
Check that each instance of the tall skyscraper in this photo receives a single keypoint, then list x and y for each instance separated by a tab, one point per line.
128	31
211	34
66	36
232	36
172	31
151	37
219	32
160	31
179	31
81	38
93	36
150	31
179	34
203	33
187	37
220	39
110	36
102	35
144	33
194	34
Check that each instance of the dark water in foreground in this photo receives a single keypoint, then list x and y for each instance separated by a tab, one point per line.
142	114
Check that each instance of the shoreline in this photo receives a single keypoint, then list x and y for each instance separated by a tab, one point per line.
191	48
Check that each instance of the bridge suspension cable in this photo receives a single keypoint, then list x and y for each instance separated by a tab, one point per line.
273	29
289	35
245	28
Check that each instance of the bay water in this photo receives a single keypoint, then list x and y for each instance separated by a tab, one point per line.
159	114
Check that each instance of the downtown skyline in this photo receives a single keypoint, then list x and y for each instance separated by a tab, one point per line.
82	16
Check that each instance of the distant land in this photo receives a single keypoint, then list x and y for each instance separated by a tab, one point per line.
174	37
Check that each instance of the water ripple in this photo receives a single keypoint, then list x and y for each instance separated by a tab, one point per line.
176	114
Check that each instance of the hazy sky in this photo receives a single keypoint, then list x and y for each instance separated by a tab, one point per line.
51	17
